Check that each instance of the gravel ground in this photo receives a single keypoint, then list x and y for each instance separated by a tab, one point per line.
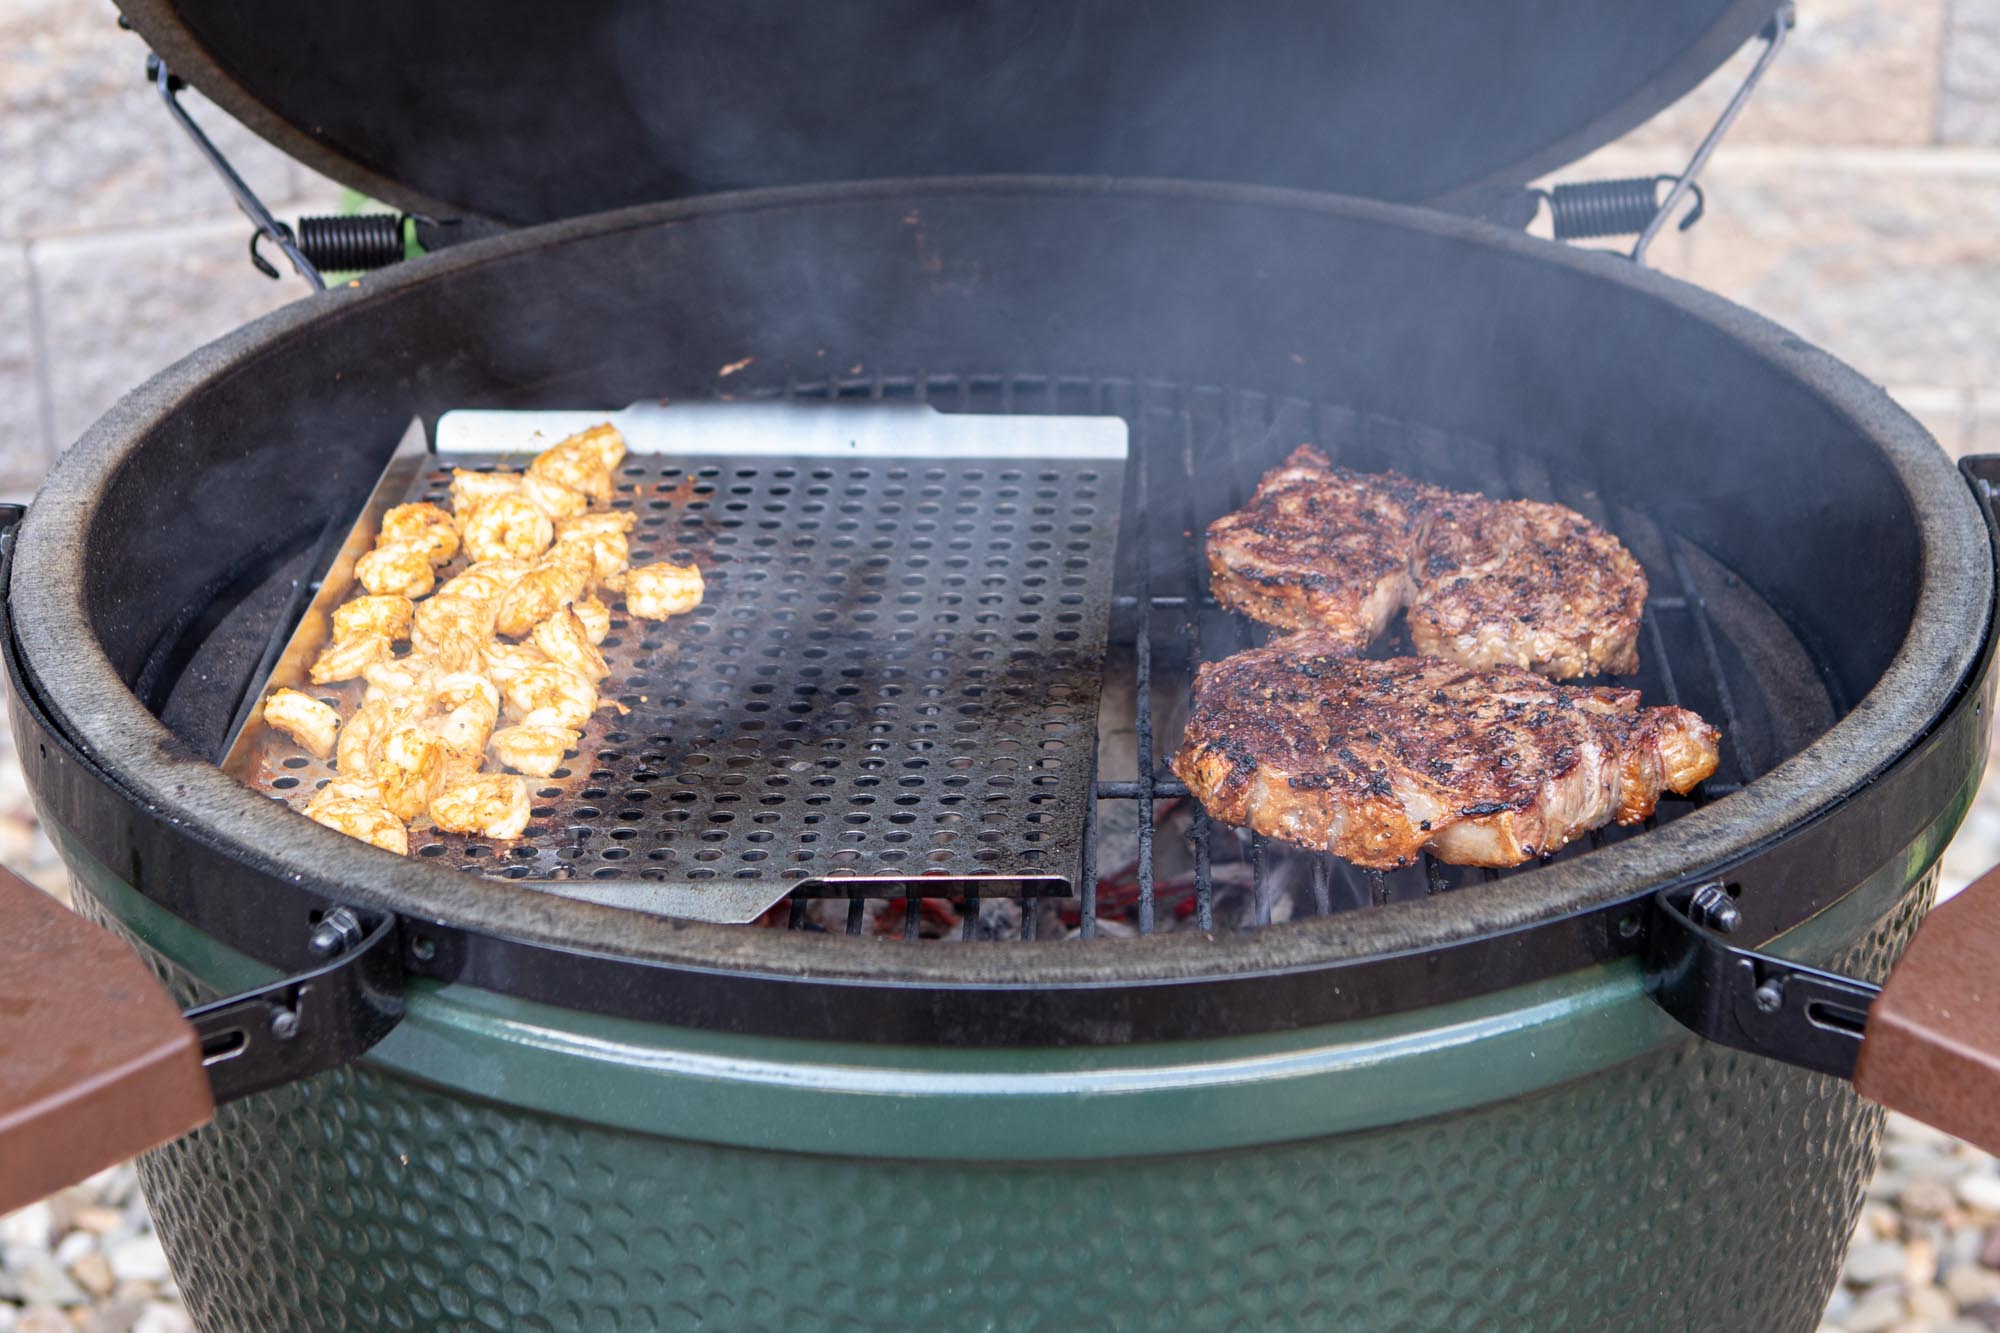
87	1259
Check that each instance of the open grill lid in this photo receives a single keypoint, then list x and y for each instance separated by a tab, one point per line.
532	112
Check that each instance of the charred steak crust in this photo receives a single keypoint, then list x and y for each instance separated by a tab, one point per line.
1379	761
1319	547
1487	582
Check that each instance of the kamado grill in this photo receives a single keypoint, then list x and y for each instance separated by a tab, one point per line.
821	990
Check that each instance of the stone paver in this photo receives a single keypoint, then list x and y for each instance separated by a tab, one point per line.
1969	96
24	443
118	308
1853	72
1889	260
85	144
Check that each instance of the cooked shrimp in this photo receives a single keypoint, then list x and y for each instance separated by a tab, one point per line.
577	464
346	660
557	579
654	592
471	489
303	718
359	817
493	805
486	581
457	613
471	706
387	614
409	769
551	695
563	637
423	525
397	567
537	751
507	526
606	441
504	661
400	678
596	618
553	498
361	738
609	551
452	647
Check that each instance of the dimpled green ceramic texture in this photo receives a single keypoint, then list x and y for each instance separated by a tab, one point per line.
1693	1188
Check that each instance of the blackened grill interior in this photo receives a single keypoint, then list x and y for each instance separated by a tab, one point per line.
1152	860
1224	325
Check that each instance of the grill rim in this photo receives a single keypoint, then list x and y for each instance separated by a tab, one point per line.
93	708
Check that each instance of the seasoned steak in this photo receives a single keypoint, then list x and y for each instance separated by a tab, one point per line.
1378	761
1487	582
1319	547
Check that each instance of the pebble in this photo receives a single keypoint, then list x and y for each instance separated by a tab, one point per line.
160	1317
1929	1303
1878	1312
42	1319
92	1272
1980	1190
1989	1253
99	1221
1925	1198
140	1259
42	1281
1970	1285
32	1225
74	1246
1873	1261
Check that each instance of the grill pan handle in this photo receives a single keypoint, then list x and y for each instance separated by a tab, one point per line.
96	1062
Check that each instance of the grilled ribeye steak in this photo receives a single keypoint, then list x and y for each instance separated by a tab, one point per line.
1487	582
1319	547
1378	761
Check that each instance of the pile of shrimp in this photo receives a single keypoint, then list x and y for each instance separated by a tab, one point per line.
513	637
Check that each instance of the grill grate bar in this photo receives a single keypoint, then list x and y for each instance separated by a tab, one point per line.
1142	644
1191	605
1086	924
1705	631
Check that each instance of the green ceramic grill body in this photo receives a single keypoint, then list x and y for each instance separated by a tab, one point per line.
1557	1156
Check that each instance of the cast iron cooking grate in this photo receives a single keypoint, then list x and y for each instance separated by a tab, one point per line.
1152	860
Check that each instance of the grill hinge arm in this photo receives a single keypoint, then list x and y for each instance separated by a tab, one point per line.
268	227
320	245
1585	210
1747	1000
309	1022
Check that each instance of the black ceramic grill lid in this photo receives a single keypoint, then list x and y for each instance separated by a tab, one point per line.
530	112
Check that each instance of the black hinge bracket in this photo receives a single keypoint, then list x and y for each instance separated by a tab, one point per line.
309	1022
1747	1000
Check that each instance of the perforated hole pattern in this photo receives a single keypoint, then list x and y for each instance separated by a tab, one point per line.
894	673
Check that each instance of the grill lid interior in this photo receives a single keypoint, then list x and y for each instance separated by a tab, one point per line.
536	112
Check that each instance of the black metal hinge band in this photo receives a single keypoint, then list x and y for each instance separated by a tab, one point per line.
309	1022
1750	1001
